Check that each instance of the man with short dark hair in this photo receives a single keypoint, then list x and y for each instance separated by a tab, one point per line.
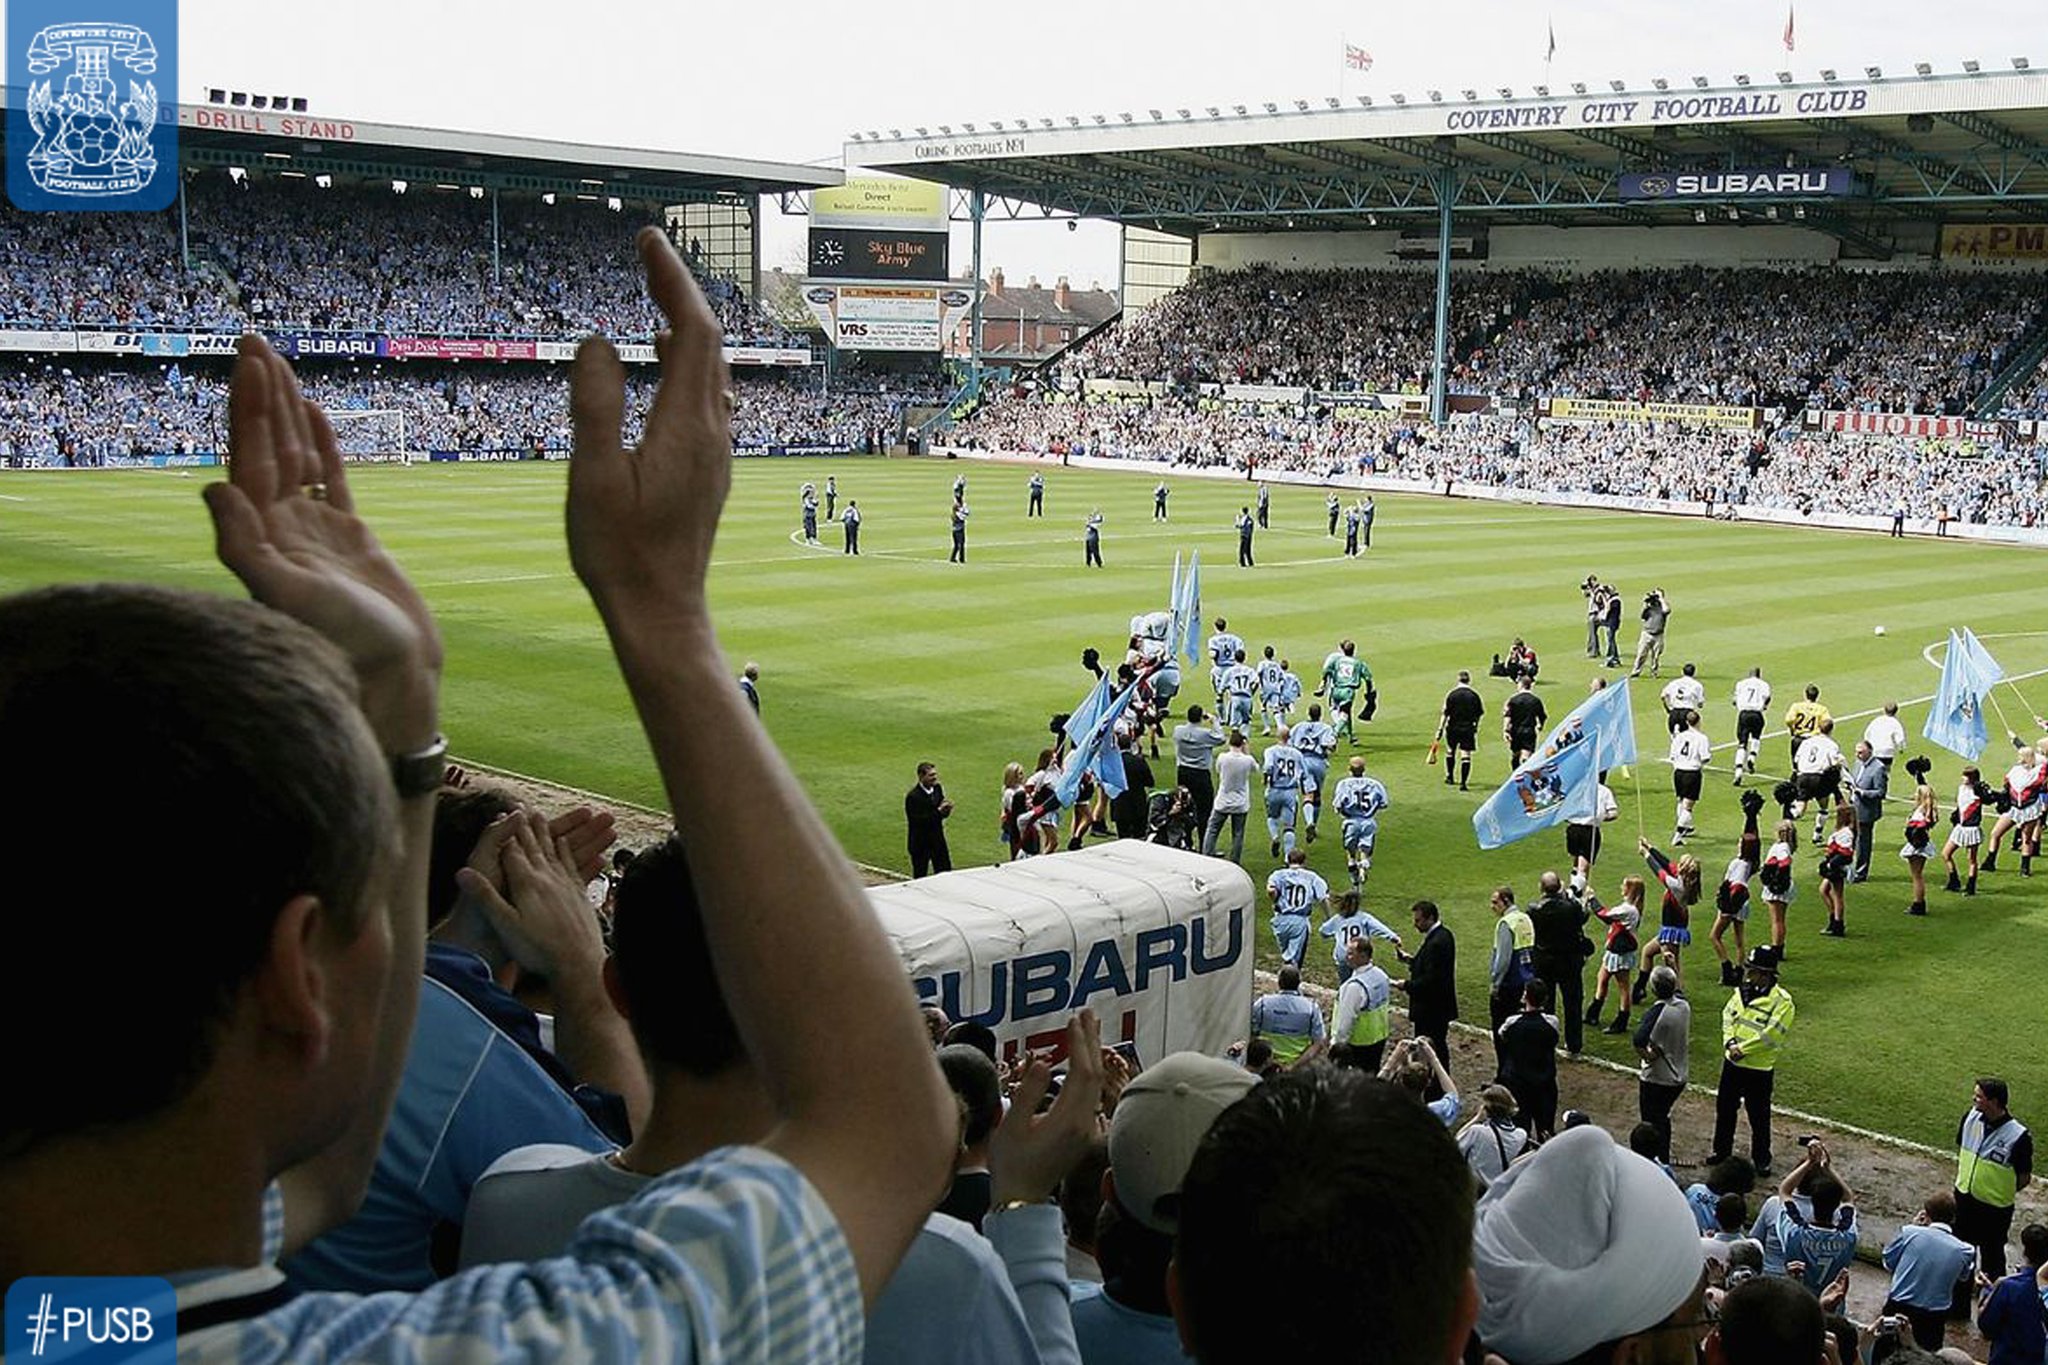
1927	1261
1290	1021
261	1029
1994	1162
1432	986
1559	923
1867	782
1522	717
1463	708
925	810
977	1087
951	1285
2013	1317
1194	750
1769	1321
1311	1171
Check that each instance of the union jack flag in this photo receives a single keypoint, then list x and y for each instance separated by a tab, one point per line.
1357	58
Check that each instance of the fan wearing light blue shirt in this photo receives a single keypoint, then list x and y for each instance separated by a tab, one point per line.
1281	769
1360	799
1315	741
1295	891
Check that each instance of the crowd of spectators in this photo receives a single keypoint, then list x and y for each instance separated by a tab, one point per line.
323	1094
106	412
1978	481
1348	329
279	252
1893	341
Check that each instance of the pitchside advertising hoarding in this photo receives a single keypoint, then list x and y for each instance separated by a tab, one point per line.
1614	410
361	345
1921	426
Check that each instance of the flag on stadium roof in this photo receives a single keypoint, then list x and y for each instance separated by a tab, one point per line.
1561	780
1788	28
1092	727
1955	719
1552	52
1357	58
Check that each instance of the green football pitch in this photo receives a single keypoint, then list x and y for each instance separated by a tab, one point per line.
872	664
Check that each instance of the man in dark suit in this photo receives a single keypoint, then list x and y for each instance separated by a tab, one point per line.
1560	920
1432	984
925	809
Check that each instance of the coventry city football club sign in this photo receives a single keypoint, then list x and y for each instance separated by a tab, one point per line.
92	127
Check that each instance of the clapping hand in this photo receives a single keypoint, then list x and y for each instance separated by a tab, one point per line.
542	917
1031	1152
641	522
285	524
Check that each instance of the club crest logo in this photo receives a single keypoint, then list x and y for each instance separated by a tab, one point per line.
94	125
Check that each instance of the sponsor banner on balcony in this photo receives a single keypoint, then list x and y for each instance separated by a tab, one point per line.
1923	426
1615	410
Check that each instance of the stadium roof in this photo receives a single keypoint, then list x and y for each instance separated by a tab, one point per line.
1972	146
216	134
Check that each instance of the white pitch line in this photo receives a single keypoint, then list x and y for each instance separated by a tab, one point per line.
9	497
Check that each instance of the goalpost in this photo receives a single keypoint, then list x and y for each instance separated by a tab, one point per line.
371	435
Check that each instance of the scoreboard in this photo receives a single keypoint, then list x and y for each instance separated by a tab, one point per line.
841	253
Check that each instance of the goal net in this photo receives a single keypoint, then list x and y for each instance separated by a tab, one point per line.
371	435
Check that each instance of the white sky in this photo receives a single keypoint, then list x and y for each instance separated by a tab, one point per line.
788	81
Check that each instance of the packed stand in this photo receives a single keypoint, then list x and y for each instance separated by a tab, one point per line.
1978	482
1349	329
276	252
1896	341
92	413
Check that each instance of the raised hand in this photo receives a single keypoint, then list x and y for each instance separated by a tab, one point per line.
1031	1152
285	524
641	522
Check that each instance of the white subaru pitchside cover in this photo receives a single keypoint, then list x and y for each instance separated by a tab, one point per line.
1156	940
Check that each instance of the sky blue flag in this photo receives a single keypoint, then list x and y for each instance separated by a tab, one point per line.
1955	718
1608	716
1176	630
1092	728
1980	659
1548	789
1191	610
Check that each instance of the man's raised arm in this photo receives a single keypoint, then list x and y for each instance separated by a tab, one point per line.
876	1138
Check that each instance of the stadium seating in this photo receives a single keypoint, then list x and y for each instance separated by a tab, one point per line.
107	412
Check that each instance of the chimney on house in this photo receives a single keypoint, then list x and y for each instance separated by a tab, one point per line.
1031	283
1061	294
995	282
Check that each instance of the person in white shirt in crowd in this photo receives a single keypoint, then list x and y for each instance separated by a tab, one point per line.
1752	700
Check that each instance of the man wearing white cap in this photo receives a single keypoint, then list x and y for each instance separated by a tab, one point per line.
1159	1121
1585	1252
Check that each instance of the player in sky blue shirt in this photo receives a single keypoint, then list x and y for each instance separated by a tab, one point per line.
1281	769
1224	650
1290	692
1295	891
1239	684
1348	923
1268	669
1315	741
1359	799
